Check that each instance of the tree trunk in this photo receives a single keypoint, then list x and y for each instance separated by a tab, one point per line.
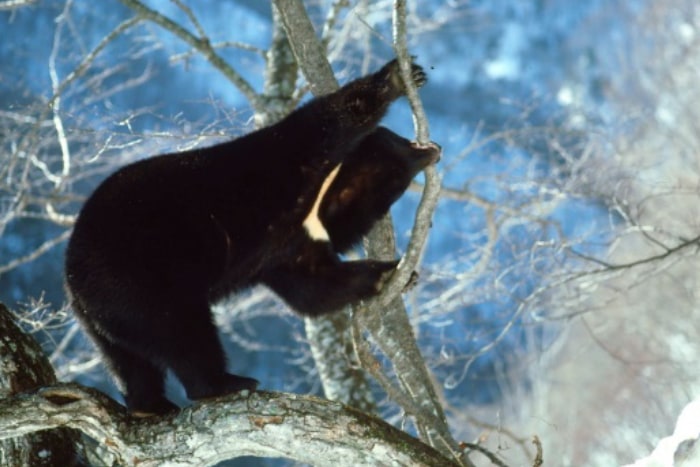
23	367
329	336
391	330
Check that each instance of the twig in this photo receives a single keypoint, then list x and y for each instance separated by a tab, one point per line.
331	20
650	259
56	107
43	248
201	44
89	58
220	45
491	456
539	459
193	19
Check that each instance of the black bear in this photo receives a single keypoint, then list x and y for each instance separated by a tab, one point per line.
162	238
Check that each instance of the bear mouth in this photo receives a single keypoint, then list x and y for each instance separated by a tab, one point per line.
430	153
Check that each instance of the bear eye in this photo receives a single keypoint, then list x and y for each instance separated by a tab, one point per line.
346	195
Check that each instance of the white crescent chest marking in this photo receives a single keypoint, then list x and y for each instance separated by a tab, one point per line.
313	225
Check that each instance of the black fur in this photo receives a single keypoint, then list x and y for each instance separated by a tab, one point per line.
162	238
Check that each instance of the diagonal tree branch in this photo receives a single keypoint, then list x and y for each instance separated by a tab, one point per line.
202	45
308	49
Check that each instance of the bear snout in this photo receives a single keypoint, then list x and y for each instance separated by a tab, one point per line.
427	153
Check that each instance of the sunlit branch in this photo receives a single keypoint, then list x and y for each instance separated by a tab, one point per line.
431	192
201	44
12	4
220	45
56	107
404	400
332	19
262	423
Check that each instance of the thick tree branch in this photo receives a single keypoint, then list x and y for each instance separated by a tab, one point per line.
329	338
308	49
304	428
387	320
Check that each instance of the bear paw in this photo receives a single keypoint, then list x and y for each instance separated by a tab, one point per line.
385	272
235	383
392	73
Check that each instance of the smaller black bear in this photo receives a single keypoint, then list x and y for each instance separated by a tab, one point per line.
161	239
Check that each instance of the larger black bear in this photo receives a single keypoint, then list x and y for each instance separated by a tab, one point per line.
162	238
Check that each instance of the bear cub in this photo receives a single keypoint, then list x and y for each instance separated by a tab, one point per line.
162	238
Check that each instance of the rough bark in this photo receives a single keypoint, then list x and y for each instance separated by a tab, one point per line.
307	47
341	375
304	428
23	367
280	77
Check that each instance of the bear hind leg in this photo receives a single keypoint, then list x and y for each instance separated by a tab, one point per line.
143	383
192	349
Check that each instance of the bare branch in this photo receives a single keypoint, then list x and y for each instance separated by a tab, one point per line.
669	251
332	19
43	248
401	49
201	44
431	190
397	394
491	456
539	459
13	4
89	58
56	107
220	45
190	15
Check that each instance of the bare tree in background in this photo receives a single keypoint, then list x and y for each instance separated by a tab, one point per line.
625	362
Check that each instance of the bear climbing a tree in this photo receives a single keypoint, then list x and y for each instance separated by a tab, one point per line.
161	239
